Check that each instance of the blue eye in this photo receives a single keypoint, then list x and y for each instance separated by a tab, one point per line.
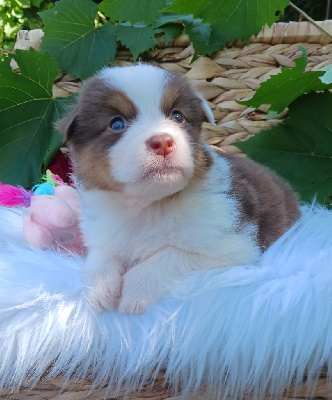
177	116
118	124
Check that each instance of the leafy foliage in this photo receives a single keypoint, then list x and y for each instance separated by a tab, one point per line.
73	40
230	19
81	48
146	11
137	38
19	14
28	140
300	149
282	89
169	31
199	34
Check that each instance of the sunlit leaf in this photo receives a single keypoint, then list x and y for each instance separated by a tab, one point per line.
73	40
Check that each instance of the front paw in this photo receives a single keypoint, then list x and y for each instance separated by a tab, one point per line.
136	296
104	290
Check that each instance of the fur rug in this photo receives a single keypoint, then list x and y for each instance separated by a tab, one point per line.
231	330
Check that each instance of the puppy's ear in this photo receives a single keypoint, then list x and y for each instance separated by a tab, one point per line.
209	117
67	125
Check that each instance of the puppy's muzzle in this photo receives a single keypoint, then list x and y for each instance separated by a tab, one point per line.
161	145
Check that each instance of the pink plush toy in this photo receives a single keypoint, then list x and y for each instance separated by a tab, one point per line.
53	214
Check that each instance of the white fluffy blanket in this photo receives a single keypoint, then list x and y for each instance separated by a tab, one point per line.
231	330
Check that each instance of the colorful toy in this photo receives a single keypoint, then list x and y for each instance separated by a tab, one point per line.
51	220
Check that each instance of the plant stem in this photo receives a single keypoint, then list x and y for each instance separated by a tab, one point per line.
306	16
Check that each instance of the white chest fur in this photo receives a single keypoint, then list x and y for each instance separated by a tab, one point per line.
194	229
199	220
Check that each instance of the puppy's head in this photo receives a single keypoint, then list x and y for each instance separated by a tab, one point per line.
136	130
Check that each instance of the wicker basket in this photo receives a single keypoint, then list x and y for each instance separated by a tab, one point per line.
231	74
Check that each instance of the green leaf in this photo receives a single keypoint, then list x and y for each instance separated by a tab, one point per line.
170	31
73	40
146	11
136	39
200	33
280	90
230	19
170	24
300	149
36	3
169	17
28	139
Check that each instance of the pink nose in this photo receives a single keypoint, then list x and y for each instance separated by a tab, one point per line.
161	145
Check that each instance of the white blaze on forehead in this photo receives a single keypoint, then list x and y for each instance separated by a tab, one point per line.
130	158
143	84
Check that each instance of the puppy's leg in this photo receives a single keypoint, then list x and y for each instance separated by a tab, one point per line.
149	281
102	274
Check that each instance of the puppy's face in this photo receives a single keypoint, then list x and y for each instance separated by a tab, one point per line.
136	130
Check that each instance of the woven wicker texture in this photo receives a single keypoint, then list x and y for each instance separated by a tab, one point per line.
231	74
55	390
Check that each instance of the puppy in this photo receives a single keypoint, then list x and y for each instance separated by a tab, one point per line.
157	203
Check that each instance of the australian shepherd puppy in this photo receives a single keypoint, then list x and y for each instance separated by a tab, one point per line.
157	202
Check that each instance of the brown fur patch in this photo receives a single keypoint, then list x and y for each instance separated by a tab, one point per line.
264	199
89	135
98	104
92	168
179	95
203	163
